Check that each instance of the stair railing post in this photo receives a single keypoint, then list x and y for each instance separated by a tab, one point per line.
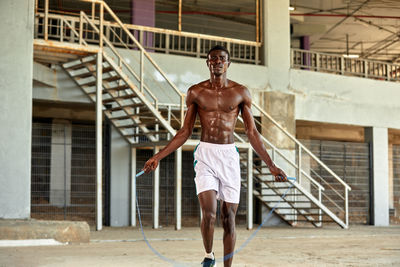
141	70
133	186
156	193
249	208
99	142
46	19
93	10
101	28
169	120
346	207
182	109
299	164
178	188
80	27
319	210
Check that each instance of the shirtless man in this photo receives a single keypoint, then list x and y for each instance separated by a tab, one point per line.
218	102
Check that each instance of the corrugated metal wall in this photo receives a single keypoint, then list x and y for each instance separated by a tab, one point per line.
63	172
395	216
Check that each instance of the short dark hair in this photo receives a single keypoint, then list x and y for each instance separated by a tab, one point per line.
219	47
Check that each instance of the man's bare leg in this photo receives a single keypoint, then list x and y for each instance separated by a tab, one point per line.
228	214
208	205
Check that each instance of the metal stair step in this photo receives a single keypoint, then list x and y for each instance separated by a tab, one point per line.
143	134
82	64
136	105
108	79
114	99
90	73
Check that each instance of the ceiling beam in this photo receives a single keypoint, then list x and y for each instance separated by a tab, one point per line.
342	20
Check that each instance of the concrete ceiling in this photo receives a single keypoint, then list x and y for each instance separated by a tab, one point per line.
370	29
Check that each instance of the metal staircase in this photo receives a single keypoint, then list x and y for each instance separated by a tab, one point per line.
130	96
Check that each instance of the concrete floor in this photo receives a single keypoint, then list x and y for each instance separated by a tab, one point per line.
329	246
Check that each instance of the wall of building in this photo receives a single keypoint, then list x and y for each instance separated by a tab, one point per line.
16	30
332	98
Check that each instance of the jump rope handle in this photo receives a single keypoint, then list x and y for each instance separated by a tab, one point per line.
139	173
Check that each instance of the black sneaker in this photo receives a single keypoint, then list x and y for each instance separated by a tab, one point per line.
207	262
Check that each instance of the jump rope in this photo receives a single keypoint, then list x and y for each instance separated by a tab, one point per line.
226	257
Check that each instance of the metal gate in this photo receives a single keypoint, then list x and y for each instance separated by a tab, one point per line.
63	172
351	162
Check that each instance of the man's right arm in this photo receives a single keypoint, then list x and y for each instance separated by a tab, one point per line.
181	136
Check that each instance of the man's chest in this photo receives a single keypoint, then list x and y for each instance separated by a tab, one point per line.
226	100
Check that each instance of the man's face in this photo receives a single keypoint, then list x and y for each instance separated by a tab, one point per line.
218	62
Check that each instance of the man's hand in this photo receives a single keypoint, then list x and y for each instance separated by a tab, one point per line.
280	176
151	164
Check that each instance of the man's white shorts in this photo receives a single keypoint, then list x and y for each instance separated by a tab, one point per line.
217	167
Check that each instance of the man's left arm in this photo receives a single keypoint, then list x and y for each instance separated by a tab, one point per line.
255	138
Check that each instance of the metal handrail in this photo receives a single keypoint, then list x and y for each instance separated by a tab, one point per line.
301	145
336	63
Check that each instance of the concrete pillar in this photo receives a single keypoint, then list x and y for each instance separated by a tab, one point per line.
143	13
119	180
60	165
277	42
378	139
16	60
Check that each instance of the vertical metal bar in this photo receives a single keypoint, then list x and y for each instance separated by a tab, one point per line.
169	120
167	44
257	21
320	210
257	56
198	47
93	10
141	70
72	36
80	27
156	193
365	69
65	173
249	211
316	61
62	30
178	188
347	207
261	22
46	19
180	16
133	186
299	165
101	25
342	65
182	109
387	72
99	142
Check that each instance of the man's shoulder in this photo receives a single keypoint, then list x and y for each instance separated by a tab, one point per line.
237	86
199	86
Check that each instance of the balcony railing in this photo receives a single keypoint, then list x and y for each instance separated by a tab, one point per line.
338	64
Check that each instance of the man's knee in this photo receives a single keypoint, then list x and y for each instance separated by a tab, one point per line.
209	217
228	221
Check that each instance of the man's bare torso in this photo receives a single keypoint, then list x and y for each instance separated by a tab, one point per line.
218	109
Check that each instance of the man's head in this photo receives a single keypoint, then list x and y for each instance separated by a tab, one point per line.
218	60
